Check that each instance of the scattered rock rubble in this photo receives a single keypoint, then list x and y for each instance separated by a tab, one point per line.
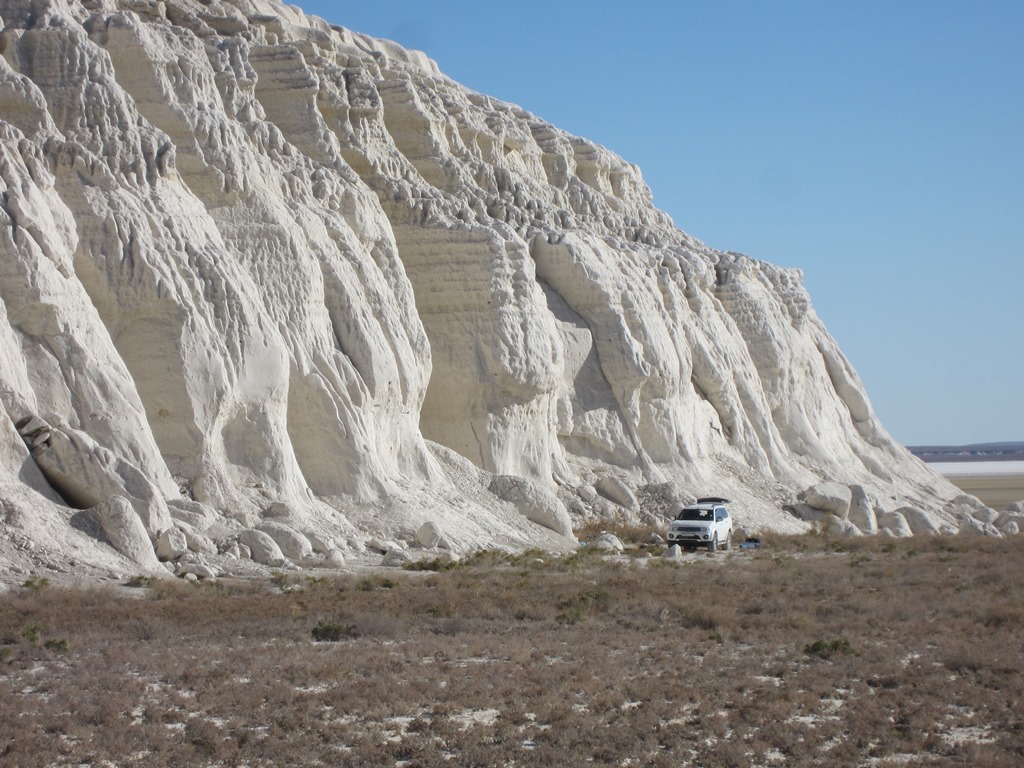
849	510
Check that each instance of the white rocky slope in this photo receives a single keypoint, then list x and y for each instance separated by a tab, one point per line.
254	267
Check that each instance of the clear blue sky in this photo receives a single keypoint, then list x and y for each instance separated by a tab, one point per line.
877	146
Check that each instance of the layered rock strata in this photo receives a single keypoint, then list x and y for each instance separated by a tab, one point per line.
254	266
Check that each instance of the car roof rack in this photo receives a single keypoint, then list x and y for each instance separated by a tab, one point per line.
712	500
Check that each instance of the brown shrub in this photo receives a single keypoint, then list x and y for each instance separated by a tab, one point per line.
825	654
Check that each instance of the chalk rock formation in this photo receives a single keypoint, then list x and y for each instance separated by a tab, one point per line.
430	536
920	522
862	511
607	541
894	524
830	497
124	529
250	260
293	544
262	547
171	544
534	502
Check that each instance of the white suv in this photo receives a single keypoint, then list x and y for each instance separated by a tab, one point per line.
704	524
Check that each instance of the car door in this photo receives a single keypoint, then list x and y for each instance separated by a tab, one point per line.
722	524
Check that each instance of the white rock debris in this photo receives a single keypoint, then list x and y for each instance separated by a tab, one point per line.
271	283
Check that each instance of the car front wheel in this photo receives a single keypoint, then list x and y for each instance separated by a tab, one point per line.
713	544
728	541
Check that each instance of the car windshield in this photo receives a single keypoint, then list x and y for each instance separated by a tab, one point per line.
695	514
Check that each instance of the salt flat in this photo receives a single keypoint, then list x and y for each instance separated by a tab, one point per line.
997	483
957	468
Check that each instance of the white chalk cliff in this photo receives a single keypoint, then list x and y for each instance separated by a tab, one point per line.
256	266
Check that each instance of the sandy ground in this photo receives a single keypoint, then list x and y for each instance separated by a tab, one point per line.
997	483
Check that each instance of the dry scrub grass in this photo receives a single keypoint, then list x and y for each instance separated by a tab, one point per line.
808	652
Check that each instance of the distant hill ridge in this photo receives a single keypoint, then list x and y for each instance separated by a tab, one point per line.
974	452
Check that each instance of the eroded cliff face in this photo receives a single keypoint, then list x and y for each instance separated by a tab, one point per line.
254	265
